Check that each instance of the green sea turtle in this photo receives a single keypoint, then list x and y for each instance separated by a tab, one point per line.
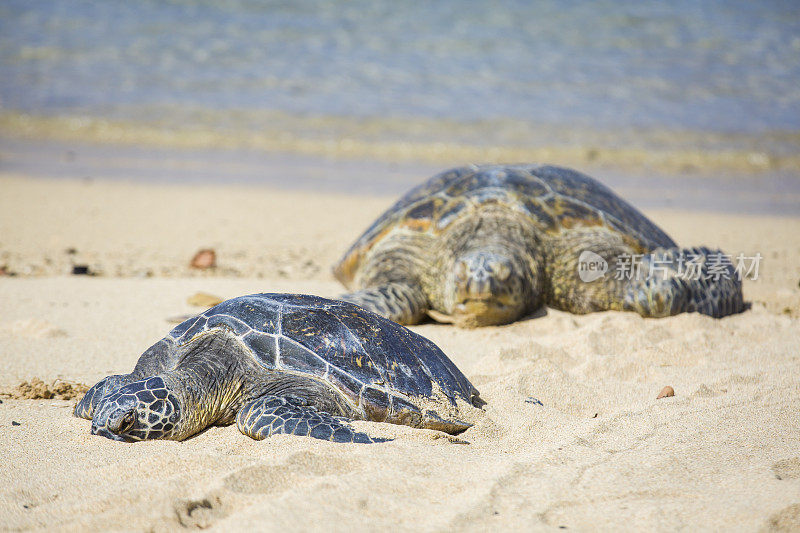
283	363
485	245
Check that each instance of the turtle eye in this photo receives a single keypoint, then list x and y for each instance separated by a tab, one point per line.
127	421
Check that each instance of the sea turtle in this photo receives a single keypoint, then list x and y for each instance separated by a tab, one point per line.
283	363
483	245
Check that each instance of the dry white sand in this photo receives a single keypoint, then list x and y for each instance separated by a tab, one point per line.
600	452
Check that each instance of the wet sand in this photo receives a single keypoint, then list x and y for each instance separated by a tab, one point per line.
600	451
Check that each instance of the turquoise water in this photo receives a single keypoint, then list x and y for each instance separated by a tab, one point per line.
721	66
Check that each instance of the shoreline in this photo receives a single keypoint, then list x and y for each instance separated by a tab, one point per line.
426	141
765	192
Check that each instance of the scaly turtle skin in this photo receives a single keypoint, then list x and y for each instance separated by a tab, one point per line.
485	245
282	363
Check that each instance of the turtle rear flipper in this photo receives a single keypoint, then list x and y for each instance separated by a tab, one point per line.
404	303
269	415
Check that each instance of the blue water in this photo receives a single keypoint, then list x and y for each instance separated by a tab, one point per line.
717	65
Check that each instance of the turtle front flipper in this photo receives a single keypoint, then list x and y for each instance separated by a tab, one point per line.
270	415
675	280
597	271
403	303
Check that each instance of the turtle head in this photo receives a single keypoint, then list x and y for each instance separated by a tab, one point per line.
143	410
487	288
86	407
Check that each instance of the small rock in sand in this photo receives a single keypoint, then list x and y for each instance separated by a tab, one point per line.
204	259
666	392
81	270
203	299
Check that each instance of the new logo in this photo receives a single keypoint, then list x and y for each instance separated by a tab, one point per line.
591	266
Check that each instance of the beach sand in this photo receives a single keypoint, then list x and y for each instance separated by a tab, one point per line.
597	450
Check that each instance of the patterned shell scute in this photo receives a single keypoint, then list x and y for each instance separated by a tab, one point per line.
577	189
372	350
551	198
335	341
241	316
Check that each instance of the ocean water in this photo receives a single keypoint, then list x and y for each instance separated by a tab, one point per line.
718	74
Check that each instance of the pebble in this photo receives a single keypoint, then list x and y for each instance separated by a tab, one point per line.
203	299
81	270
204	259
666	392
